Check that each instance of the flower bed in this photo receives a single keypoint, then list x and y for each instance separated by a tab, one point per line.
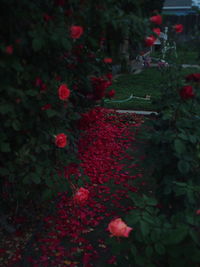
74	235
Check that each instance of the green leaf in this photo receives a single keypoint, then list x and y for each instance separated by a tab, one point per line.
133	217
5	147
193	139
45	147
152	201
138	201
47	194
195	236
6	108
176	236
16	125
49	182
179	146
144	228
160	249
31	92
35	178
51	113
17	66
65	43
37	44
134	250
183	166
4	172
148	218
149	251
155	235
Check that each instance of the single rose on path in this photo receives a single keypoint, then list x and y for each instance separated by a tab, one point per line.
81	196
118	228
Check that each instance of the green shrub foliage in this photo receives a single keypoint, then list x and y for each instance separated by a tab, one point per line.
39	53
167	216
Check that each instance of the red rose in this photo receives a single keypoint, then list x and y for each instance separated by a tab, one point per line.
150	40
47	18
76	32
198	212
63	92
9	49
99	87
81	196
46	107
61	140
111	93
157	31
118	228
58	78
38	82
178	28
187	92
18	41
59	2
156	19
109	76
107	60
43	87
194	77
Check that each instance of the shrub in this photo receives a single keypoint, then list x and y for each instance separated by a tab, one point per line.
50	50
166	218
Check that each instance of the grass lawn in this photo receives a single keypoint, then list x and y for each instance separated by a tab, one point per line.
145	83
185	55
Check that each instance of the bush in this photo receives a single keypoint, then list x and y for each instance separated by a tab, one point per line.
51	53
166	218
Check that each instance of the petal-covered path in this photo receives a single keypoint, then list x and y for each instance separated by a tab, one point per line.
75	234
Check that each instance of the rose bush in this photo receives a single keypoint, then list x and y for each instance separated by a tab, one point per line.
166	209
49	52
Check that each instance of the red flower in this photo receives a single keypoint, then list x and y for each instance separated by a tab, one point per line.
46	107
111	93
59	2
194	77
118	228
107	60
61	140
47	18
150	40
99	87
109	76
198	212
58	78
156	19
63	92
81	195
178	28
38	82
43	87
76	32
18	41
157	31
9	49
187	92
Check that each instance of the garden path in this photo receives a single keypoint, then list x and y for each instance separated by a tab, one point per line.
75	235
